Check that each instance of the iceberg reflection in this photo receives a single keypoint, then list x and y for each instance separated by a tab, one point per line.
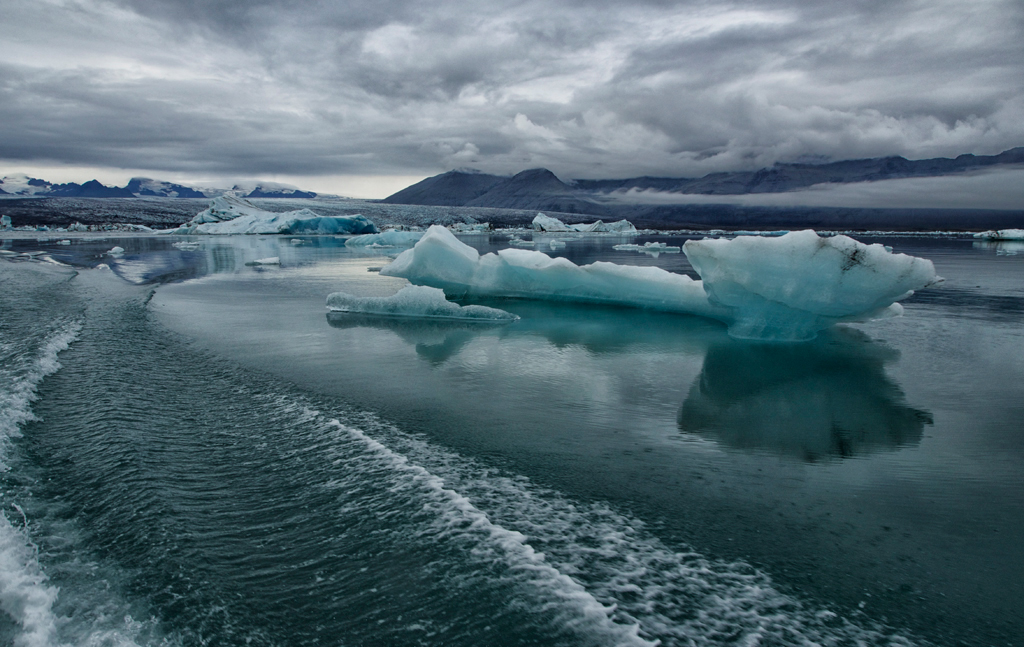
830	398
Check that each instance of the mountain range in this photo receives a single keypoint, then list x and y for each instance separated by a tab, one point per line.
540	189
139	187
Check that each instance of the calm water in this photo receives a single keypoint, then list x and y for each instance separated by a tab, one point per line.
218	461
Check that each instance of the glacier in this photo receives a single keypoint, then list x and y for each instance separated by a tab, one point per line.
419	302
777	289
228	214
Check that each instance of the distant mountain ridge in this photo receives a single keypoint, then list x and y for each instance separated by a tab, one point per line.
140	187
540	189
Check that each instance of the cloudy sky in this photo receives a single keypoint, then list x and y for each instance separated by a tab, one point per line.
363	97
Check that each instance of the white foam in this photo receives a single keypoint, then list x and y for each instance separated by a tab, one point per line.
25	595
600	573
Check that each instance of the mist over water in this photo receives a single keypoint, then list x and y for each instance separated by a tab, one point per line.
221	461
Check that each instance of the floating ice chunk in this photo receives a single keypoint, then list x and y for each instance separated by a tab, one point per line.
390	238
272	260
543	222
115	251
556	244
63	242
789	287
416	301
1002	234
519	242
230	215
186	245
784	288
5	223
440	260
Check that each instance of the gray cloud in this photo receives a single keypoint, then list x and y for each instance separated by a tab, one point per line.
588	89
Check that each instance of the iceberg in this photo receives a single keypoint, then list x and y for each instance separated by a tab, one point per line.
792	286
418	302
115	251
649	248
5	223
389	238
780	289
1001	234
542	222
228	214
441	260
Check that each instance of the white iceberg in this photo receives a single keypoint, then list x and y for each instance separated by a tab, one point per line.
785	289
542	222
519	242
389	238
418	302
794	285
440	260
1001	234
228	214
115	251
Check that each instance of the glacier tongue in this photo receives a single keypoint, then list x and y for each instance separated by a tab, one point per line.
781	289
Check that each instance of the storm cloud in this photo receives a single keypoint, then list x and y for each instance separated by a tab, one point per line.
588	89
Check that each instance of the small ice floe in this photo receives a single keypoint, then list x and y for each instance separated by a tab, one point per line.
63	242
296	241
516	241
115	251
273	260
1001	234
556	244
416	301
186	246
649	248
784	288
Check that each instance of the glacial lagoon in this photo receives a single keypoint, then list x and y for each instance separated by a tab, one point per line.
220	460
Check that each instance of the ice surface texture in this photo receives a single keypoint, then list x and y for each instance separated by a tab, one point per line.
783	289
230	215
416	301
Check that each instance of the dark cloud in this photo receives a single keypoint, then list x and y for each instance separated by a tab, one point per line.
588	89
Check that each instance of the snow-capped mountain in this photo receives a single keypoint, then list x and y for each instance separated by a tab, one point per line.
22	186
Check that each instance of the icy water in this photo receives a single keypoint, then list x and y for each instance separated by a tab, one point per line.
196	453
